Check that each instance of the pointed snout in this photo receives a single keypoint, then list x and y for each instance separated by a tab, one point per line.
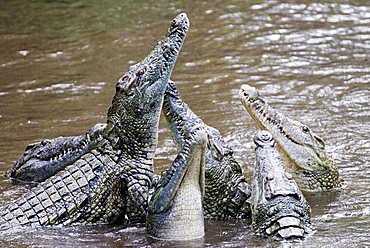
264	139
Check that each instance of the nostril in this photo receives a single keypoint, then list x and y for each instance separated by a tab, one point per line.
265	136
183	16
180	20
264	139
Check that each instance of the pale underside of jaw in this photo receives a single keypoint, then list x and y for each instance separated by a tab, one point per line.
183	217
285	217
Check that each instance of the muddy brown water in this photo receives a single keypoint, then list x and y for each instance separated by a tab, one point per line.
59	61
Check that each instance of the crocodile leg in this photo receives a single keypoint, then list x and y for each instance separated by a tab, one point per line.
227	190
117	173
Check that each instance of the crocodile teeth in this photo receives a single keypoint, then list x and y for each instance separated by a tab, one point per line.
265	118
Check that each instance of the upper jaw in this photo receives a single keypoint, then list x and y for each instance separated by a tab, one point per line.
170	46
266	118
304	148
182	119
247	93
270	175
162	59
179	25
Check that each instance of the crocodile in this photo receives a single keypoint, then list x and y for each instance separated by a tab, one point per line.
226	188
278	206
308	163
43	159
175	211
110	183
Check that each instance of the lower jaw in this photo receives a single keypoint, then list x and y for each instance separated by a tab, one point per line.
290	233
183	220
286	227
283	218
179	230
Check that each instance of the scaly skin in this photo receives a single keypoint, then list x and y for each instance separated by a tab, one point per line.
43	159
226	189
311	168
112	180
278	206
175	211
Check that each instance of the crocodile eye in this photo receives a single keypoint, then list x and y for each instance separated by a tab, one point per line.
140	72
305	129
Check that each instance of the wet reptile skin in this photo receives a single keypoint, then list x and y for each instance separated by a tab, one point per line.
110	182
278	206
308	163
175	211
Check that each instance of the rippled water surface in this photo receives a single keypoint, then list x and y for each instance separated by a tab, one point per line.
59	61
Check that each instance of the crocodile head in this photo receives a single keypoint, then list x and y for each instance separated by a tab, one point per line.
43	159
312	169
133	117
175	210
226	188
278	206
